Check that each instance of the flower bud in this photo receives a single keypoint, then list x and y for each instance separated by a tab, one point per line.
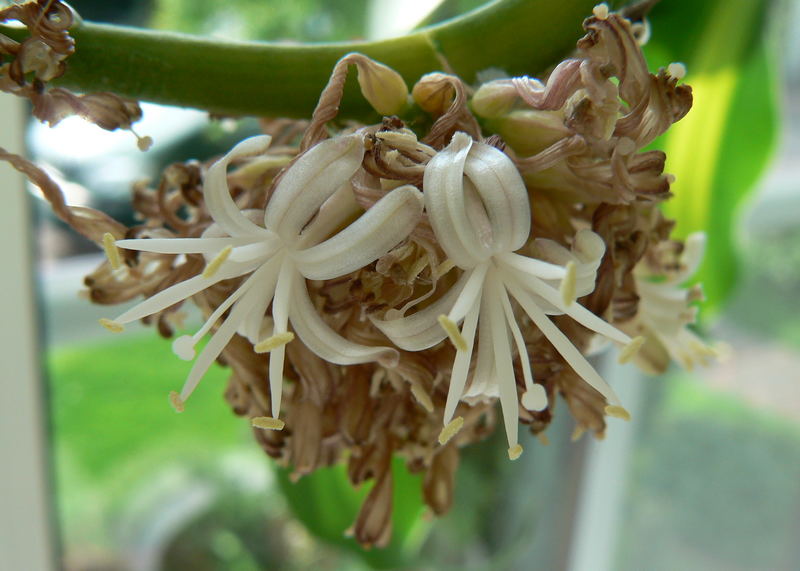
434	93
494	99
530	131
382	86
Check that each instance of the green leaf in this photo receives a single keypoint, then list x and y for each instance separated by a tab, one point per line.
719	150
326	503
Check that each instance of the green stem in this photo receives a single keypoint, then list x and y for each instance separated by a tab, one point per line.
270	79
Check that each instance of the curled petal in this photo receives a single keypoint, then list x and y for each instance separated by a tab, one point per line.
217	195
310	181
324	341
382	227
422	330
445	202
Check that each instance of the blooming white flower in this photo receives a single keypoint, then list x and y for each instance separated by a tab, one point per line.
478	207
665	312
279	256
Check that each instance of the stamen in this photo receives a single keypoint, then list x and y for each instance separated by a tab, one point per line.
451	430
617	412
453	333
569	284
543	439
629	352
423	398
215	264
515	452
176	401
112	252
677	70
111	325
267	423
600	11
274	342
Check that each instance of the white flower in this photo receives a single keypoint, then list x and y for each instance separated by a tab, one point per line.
665	312
279	256
478	207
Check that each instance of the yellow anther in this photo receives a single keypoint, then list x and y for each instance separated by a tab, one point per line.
569	284
214	265
176	401
111	325
112	252
423	398
617	412
577	433
452	331
543	439
271	343
451	430
630	350
515	452
267	423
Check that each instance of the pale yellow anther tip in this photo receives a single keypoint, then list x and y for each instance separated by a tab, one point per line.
515	452
453	333
272	343
215	264
600	11
617	412
677	70
543	439
630	350
267	423
569	284
111	325
423	398
176	401
111	250
451	430
577	433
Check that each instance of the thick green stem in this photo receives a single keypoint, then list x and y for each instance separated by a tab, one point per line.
519	36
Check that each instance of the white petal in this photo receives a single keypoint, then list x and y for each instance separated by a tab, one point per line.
532	266
327	343
334	212
421	330
310	181
217	196
484	379
445	202
503	194
378	230
182	245
522	351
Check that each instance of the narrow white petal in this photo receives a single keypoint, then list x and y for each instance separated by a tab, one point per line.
378	230
421	330
334	212
504	367
484	379
327	343
182	245
445	204
471	292
458	377
503	194
310	181
538	268
176	293
562	344
217	196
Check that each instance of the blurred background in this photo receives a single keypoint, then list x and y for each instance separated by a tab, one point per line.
705	476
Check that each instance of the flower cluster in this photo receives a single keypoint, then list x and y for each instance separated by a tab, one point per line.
375	292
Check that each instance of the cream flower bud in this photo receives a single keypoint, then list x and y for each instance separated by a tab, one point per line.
382	86
494	99
434	93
